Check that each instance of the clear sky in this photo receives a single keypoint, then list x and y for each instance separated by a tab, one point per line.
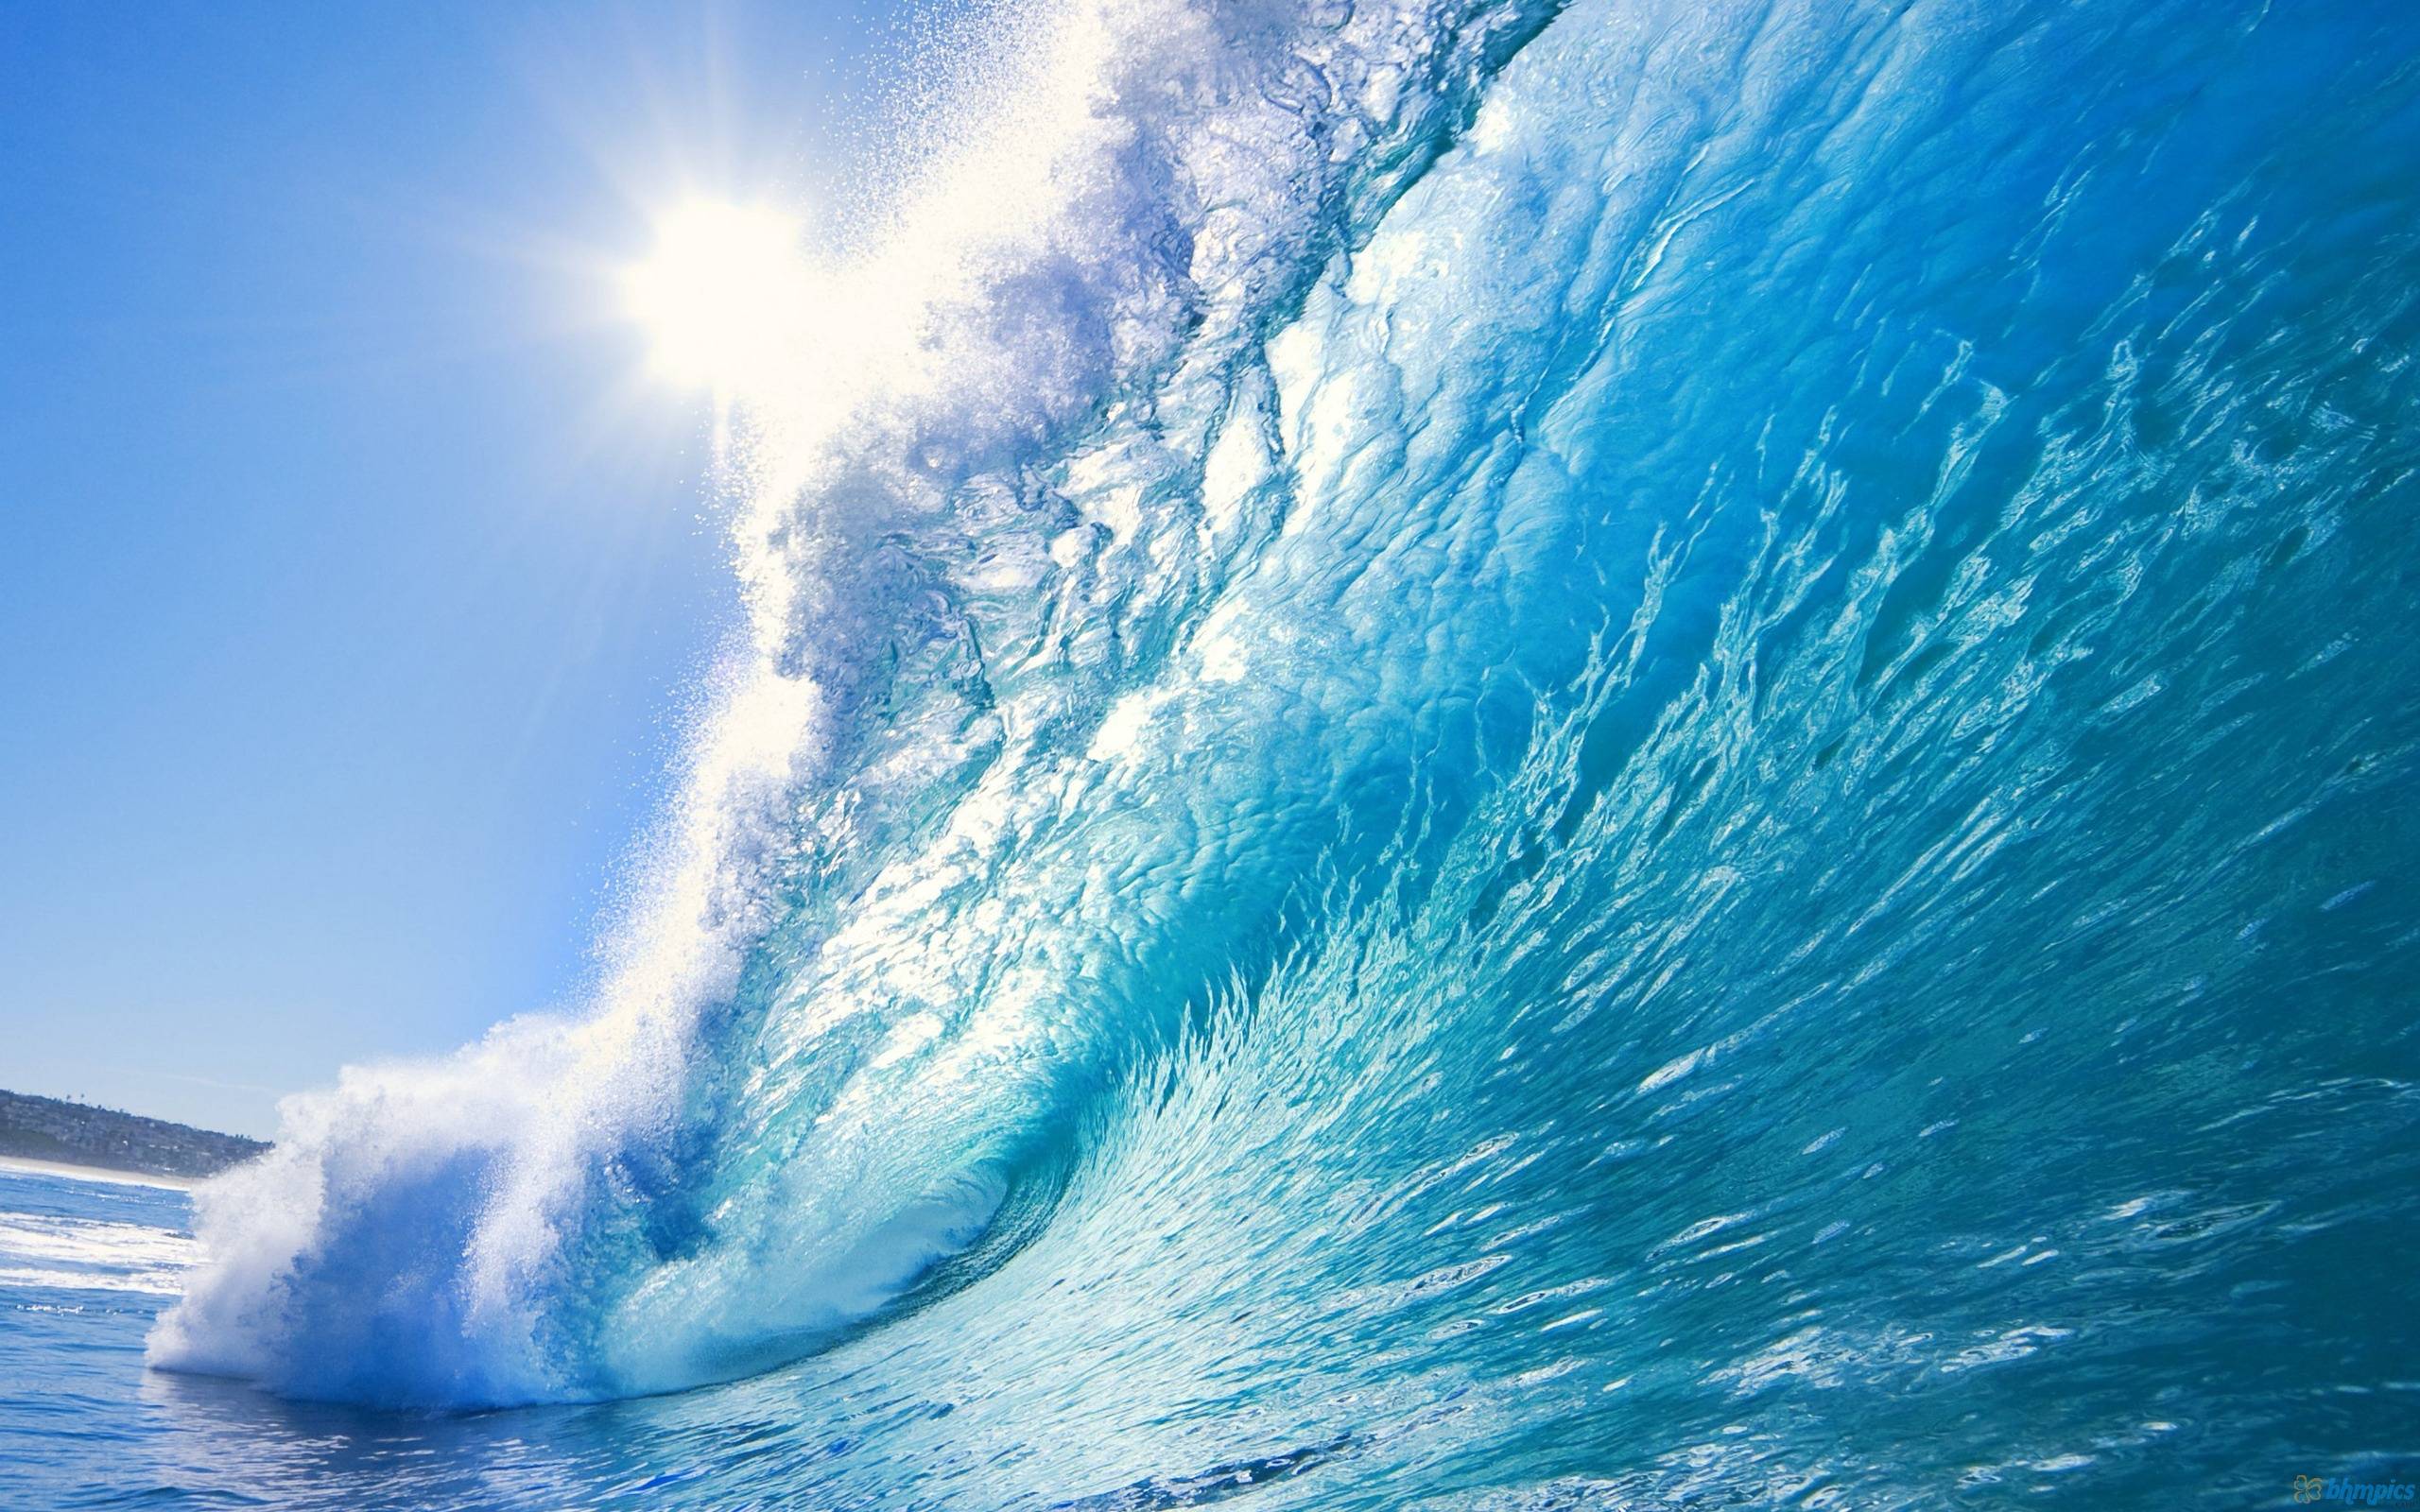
352	571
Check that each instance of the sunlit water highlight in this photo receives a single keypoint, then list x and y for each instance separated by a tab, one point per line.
1656	754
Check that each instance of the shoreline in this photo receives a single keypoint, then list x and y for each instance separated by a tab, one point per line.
28	1165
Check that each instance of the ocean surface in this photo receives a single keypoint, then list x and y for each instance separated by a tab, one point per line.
1515	756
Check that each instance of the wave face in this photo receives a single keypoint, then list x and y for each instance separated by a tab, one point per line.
1511	755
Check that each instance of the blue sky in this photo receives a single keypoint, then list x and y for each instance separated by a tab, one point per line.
353	574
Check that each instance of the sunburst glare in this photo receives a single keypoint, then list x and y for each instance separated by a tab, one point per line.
722	295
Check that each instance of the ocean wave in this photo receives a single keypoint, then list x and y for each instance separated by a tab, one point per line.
1494	729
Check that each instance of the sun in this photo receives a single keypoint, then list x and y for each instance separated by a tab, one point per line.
722	296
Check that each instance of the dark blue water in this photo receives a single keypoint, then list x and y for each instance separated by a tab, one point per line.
1501	758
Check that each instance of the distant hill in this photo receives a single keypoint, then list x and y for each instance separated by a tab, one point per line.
45	1128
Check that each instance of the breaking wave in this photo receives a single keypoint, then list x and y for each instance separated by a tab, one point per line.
1580	752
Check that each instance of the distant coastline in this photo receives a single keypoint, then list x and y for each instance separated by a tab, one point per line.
46	1131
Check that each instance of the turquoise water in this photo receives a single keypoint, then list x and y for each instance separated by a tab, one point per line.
1489	757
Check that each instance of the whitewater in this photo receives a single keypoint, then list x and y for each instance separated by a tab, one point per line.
1487	755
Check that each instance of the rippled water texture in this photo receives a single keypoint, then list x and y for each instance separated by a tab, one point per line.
1656	755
